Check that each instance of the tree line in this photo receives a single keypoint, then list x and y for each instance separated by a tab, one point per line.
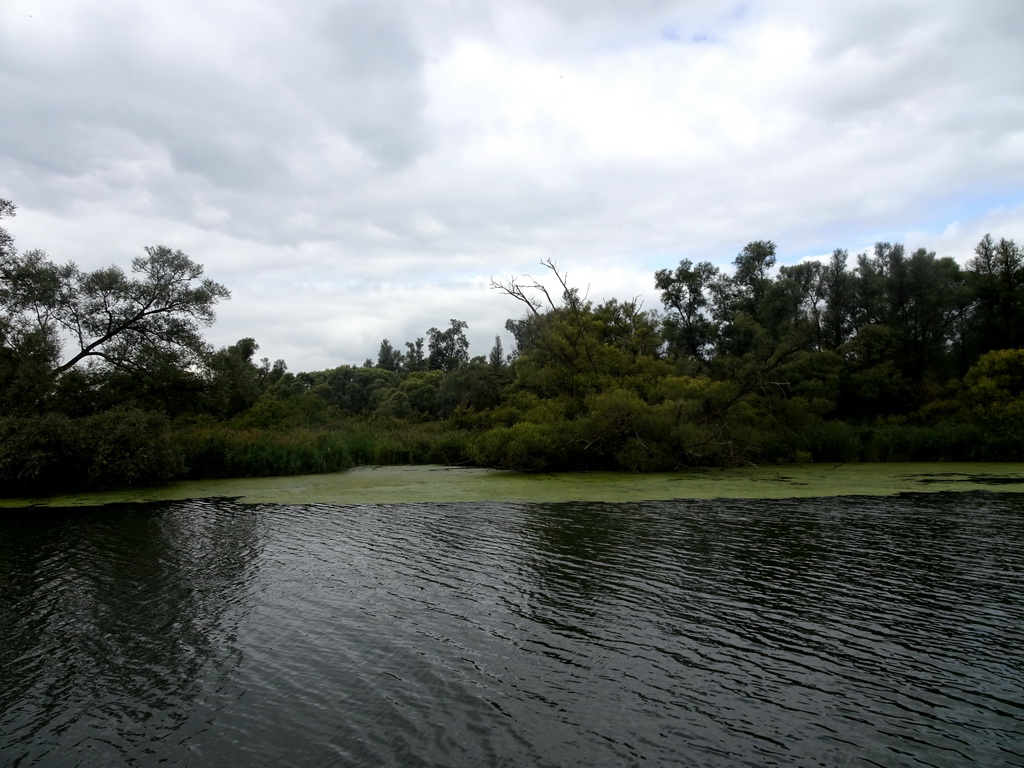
105	378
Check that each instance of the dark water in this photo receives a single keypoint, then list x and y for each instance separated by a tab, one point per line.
865	632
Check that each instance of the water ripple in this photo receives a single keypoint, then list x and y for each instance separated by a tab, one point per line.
807	632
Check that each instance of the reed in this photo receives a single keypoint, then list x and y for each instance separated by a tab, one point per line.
941	441
219	450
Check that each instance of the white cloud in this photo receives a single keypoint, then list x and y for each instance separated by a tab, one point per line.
357	170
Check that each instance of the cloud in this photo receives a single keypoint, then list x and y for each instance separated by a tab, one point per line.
357	170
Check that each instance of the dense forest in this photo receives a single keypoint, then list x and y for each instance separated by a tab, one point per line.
106	380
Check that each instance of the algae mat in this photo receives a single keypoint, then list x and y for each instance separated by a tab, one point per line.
392	485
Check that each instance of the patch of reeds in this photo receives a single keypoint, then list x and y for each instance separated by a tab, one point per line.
220	450
942	441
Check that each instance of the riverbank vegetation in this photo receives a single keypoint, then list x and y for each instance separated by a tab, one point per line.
886	355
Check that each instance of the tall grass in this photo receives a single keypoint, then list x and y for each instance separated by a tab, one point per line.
219	450
942	441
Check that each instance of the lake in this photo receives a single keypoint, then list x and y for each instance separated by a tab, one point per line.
862	631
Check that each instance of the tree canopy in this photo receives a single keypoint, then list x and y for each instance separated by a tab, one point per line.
105	314
54	317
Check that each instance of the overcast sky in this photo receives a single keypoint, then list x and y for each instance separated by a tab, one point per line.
354	170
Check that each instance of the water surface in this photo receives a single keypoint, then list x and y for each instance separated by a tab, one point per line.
843	631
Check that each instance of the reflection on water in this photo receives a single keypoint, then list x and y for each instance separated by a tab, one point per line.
115	622
834	632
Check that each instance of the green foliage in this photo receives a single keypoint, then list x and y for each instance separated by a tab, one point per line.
995	283
121	320
234	382
304	409
686	296
993	390
526	446
7	208
420	389
128	446
53	452
223	452
389	358
352	390
117	338
40	454
448	349
476	386
219	450
26	362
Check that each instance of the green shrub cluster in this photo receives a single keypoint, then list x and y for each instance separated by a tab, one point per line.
52	452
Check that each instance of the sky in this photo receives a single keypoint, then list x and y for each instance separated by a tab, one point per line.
354	170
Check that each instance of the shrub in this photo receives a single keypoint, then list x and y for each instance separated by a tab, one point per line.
52	452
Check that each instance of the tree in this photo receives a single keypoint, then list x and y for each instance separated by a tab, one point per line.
935	301
7	208
740	300
793	303
993	389
627	327
685	296
26	357
388	358
753	273
235	381
870	289
996	279
271	374
415	360
73	316
558	345
496	359
837	290
448	349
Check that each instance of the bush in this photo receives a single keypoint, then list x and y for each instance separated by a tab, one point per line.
52	453
128	446
528	447
40	454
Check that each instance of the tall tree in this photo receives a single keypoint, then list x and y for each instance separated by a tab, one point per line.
837	290
388	358
7	208
106	315
794	302
415	359
996	280
448	349
626	327
870	290
235	381
496	359
557	340
752	277
741	307
935	300
685	294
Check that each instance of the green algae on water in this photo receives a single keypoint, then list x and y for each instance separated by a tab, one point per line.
407	484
